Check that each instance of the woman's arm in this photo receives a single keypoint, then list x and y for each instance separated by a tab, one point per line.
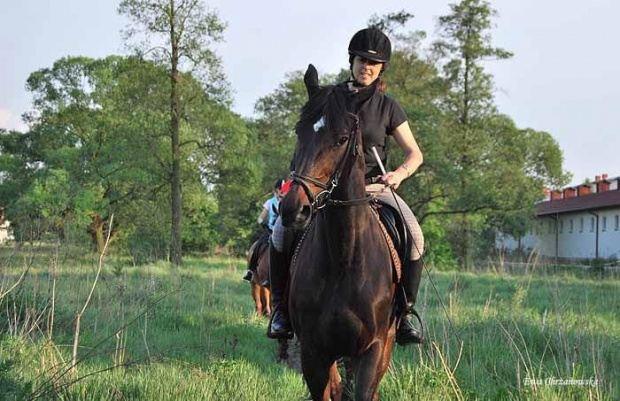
263	215
413	156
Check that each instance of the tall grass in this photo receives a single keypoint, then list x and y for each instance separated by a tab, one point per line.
161	333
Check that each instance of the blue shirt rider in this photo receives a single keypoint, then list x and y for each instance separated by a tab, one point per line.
271	212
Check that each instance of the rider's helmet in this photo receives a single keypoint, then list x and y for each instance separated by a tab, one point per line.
371	44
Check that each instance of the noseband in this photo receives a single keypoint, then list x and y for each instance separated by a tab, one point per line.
320	200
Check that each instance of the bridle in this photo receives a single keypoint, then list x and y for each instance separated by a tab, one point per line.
323	198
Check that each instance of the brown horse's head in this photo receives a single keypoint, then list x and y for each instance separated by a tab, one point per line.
328	145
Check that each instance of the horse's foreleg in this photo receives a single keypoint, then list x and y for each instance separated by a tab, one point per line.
257	299
266	297
282	350
316	370
369	373
335	383
387	351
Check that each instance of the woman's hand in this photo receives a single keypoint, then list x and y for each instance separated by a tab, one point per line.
394	178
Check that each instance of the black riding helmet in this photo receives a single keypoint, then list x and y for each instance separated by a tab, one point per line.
278	185
371	44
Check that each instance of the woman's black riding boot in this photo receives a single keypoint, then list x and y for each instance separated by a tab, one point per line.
252	265
279	325
407	332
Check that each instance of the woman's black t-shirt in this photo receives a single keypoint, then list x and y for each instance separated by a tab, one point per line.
379	117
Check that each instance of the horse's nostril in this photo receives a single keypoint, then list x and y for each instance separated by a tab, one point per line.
305	212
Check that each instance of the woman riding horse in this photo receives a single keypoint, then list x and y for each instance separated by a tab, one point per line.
270	212
379	116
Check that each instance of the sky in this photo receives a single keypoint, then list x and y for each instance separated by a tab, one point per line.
563	77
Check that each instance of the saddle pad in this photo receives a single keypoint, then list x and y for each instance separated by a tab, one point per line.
395	258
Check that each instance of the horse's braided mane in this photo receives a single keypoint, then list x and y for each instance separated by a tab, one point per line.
330	102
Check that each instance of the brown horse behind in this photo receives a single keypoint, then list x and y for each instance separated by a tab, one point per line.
341	286
260	294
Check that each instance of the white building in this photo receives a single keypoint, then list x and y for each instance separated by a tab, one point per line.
5	230
577	223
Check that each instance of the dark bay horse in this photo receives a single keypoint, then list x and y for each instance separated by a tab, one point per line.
341	286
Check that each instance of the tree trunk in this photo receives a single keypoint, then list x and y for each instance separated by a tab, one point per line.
176	256
96	232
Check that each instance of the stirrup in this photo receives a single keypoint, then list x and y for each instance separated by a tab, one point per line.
410	334
285	334
248	276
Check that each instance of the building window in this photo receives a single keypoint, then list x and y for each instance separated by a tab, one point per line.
617	223
591	224
604	223
581	224
570	226
561	226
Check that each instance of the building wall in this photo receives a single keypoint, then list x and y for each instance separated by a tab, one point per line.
575	240
5	233
609	238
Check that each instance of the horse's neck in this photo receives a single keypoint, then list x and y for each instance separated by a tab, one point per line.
352	185
344	229
344	226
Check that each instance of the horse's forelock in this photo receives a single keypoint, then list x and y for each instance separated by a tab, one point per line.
330	103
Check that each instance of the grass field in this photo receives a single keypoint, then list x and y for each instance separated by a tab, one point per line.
156	333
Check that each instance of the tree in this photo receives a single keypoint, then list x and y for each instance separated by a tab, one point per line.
82	137
278	113
98	144
533	161
465	43
186	30
390	22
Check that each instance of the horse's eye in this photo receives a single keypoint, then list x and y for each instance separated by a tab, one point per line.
342	140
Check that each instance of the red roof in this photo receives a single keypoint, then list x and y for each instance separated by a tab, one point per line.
600	200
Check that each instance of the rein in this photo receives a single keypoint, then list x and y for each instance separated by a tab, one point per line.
322	199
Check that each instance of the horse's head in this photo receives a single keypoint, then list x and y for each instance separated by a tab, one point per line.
328	145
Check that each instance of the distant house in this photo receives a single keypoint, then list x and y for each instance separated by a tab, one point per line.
5	231
580	222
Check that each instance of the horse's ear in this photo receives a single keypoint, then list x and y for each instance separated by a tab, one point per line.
311	79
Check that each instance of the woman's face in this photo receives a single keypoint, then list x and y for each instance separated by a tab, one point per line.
366	71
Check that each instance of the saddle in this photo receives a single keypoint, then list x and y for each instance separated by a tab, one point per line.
396	228
258	248
402	241
396	232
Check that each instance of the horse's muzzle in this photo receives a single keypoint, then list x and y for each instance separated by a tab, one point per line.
295	209
298	219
